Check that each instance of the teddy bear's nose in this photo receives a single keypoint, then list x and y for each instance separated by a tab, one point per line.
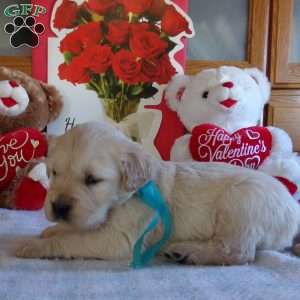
228	84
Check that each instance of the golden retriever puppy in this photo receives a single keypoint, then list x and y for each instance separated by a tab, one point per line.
222	214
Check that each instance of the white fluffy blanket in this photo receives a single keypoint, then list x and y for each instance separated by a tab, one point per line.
273	276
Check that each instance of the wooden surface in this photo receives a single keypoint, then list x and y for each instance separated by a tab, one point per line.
283	74
257	46
22	63
258	33
193	66
284	112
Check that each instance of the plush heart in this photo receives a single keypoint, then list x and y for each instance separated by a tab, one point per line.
30	195
247	147
16	150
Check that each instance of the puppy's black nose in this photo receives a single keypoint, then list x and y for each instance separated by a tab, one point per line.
61	209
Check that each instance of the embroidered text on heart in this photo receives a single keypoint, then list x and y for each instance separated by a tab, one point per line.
247	147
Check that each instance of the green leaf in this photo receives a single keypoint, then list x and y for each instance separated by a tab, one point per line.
97	88
96	77
111	80
106	84
148	92
116	89
89	87
152	19
171	46
68	57
83	16
136	90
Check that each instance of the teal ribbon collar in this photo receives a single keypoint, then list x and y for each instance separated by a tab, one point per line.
150	195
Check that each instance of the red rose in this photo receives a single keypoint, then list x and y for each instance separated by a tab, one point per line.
98	58
71	43
157	70
118	32
173	22
167	71
90	34
157	8
136	6
147	44
75	72
126	67
138	27
150	70
84	36
66	14
101	6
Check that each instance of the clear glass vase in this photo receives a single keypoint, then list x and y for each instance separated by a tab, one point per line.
119	108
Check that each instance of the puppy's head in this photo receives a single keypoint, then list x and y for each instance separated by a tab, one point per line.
92	168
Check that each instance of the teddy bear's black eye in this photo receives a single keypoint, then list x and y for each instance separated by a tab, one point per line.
54	173
205	94
91	180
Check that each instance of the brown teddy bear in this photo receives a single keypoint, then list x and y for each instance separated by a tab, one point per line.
26	107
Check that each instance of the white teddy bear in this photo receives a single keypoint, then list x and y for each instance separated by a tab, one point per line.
230	98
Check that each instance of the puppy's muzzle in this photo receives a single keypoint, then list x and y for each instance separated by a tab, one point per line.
61	209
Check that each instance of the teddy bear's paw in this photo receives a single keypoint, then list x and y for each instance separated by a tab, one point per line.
281	141
33	248
289	169
180	150
284	167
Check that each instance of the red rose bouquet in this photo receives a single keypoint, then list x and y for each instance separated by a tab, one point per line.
119	48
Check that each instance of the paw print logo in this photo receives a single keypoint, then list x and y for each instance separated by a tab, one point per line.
24	31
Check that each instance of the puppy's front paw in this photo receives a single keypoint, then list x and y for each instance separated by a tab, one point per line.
296	249
34	248
50	232
177	257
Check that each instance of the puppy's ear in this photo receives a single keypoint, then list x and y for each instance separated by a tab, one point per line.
135	170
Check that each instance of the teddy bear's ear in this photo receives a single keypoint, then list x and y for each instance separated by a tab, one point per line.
175	90
3	73
54	99
262	81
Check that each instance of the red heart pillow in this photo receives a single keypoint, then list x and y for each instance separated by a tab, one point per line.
30	195
17	149
247	147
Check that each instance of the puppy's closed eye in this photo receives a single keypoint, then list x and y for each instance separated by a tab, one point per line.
51	172
91	180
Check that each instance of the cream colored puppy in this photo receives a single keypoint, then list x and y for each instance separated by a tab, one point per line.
222	214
